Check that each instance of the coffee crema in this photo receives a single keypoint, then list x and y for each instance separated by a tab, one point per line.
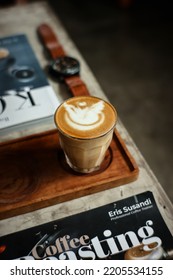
85	117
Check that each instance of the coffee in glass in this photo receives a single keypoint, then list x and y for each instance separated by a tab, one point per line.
85	125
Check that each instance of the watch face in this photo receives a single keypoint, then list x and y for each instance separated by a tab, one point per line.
65	66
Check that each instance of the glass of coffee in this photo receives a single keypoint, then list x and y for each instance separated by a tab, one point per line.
85	126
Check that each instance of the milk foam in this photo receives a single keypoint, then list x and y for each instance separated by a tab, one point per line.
83	117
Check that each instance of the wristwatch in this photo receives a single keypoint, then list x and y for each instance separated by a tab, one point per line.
62	66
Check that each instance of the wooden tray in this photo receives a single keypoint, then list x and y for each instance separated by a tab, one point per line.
33	173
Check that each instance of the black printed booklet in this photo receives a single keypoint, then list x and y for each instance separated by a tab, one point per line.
128	229
26	97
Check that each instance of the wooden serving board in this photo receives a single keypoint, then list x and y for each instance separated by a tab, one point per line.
33	173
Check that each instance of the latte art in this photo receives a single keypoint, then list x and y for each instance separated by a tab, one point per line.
84	117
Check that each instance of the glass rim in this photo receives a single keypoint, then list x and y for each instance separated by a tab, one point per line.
86	138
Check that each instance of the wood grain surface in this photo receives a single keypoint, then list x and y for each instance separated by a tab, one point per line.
34	174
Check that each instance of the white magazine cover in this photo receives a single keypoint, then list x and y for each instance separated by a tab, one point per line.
26	97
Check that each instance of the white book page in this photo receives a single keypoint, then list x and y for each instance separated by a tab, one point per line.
19	107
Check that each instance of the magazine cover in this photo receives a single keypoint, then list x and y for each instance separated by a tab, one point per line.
132	228
25	94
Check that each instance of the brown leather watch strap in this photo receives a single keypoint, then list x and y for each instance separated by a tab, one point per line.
76	86
50	41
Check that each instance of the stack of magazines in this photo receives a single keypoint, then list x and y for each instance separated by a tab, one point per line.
27	100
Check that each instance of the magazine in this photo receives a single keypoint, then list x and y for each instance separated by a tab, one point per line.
131	228
26	97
